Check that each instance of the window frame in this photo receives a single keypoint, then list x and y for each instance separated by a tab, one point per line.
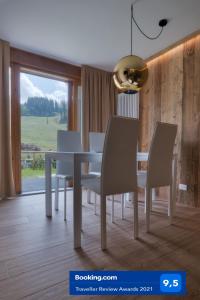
38	65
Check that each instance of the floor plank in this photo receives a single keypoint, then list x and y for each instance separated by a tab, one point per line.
36	254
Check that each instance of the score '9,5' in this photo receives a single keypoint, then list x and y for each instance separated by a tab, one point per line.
170	283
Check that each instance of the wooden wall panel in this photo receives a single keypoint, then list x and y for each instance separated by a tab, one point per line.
150	106
190	133
172	94
171	97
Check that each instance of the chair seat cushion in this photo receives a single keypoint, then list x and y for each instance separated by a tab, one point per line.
70	177
64	176
142	178
98	174
93	184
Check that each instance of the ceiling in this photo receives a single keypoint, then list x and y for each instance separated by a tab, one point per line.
94	32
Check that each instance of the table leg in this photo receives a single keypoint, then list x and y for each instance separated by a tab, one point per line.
48	196
77	208
153	194
129	199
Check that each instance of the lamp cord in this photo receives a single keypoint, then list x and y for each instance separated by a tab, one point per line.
147	36
131	29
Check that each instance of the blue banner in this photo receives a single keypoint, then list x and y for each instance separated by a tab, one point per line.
127	283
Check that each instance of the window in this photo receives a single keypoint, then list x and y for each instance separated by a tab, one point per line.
50	81
44	110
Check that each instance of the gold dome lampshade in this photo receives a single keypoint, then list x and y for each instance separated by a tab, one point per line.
130	74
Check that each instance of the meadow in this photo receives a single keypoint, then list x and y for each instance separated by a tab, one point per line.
40	131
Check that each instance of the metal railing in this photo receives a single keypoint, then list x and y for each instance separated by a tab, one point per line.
33	159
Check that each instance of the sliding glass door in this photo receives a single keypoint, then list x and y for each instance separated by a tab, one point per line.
44	107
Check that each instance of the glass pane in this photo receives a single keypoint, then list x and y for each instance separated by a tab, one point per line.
44	110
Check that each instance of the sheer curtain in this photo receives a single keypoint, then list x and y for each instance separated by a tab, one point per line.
98	100
6	172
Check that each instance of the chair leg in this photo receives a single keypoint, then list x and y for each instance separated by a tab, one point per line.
95	204
123	205
112	212
103	223
145	200
148	208
65	200
153	194
125	199
88	196
81	216
171	205
57	193
135	205
153	197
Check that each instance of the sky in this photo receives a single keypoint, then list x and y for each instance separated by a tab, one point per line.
33	85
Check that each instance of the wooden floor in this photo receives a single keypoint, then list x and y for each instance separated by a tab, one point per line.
36	253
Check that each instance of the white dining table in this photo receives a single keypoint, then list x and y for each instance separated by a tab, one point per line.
78	158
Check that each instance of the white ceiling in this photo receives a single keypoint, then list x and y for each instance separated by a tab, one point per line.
94	32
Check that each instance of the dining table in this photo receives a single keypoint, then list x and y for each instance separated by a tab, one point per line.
78	159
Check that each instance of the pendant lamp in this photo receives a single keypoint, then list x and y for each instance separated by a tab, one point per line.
131	72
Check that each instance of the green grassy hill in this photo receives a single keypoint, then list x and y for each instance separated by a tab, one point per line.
40	131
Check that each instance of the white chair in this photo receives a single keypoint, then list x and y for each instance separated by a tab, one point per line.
118	169
159	168
96	142
67	141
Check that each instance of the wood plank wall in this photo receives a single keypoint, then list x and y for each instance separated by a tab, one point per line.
172	94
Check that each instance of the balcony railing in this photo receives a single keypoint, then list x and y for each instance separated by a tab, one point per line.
33	170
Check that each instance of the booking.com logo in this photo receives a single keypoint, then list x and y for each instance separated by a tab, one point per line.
95	277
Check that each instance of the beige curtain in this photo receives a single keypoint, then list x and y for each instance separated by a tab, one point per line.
6	173
99	100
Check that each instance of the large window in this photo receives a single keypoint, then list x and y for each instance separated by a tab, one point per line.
44	96
44	110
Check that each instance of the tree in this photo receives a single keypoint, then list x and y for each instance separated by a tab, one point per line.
40	106
44	107
63	109
24	110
